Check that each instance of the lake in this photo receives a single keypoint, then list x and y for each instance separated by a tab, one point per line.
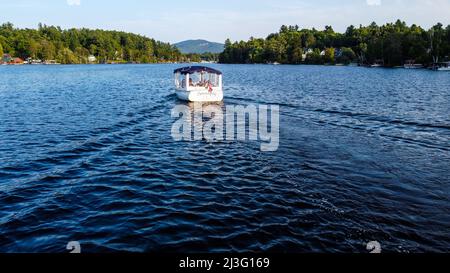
86	154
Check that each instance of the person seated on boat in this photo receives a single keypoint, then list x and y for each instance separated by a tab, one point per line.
191	82
201	84
183	83
206	83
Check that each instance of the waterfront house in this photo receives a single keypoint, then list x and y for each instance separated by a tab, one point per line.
6	58
16	61
306	52
92	59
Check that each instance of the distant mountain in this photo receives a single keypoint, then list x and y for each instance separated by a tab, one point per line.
199	46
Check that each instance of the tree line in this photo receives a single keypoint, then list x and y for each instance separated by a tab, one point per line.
392	44
207	56
74	46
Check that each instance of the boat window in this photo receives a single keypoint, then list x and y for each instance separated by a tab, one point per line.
178	82
204	79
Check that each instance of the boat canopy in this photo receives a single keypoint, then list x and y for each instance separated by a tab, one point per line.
197	69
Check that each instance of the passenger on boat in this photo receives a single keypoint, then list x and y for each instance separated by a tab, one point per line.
201	84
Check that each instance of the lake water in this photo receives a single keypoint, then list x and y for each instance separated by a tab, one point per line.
86	154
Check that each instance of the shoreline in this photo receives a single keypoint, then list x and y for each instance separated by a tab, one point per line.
189	63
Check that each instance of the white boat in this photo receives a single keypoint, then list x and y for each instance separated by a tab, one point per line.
413	66
410	64
199	84
377	63
441	66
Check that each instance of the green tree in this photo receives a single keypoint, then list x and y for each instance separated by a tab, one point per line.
329	55
347	55
75	45
394	43
48	50
437	42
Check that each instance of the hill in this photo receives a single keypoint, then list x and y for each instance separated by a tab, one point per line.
199	47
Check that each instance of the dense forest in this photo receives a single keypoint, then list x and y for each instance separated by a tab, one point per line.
197	57
392	44
74	46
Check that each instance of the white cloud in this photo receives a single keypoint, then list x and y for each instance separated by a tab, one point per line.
74	2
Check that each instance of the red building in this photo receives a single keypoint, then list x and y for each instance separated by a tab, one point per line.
7	59
16	61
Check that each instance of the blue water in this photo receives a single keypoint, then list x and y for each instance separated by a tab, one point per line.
86	155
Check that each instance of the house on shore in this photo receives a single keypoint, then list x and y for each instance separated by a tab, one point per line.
6	58
92	59
16	61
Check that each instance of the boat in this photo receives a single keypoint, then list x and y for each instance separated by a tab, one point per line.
410	64
50	62
445	66
199	84
378	63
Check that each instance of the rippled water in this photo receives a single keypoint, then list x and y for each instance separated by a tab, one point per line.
86	154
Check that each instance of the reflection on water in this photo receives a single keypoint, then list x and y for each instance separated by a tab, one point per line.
86	154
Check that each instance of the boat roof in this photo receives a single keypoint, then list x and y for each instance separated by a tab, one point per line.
197	69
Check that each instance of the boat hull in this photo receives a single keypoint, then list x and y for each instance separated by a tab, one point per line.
413	66
200	96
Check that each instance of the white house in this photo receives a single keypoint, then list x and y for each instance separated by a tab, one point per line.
92	59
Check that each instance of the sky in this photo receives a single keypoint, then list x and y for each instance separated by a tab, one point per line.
178	20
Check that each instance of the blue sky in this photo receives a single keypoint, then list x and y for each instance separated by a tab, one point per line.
178	20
